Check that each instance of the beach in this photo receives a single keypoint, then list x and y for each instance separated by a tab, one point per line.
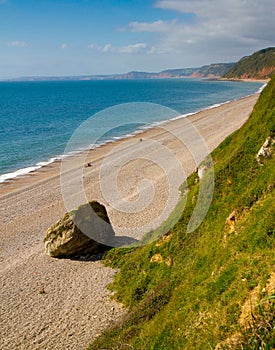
51	303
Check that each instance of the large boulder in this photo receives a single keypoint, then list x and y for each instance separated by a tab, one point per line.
85	230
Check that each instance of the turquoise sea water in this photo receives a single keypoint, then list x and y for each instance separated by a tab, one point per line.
38	118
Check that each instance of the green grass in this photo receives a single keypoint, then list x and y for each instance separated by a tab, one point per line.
193	299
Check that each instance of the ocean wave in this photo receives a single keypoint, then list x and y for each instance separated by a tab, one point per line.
27	170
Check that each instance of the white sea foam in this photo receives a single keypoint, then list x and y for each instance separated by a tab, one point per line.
27	170
261	88
17	173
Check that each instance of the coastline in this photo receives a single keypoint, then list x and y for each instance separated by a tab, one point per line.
33	168
43	171
76	305
252	80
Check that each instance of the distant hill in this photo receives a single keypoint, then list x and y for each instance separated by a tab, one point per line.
181	72
215	70
137	75
260	65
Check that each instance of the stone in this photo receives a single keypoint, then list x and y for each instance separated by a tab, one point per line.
201	171
156	258
85	230
230	222
265	151
164	239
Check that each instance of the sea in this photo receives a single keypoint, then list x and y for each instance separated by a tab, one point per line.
38	118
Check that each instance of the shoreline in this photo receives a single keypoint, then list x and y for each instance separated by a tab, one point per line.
248	80
34	168
39	171
75	305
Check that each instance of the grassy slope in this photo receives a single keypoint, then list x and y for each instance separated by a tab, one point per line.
260	65
193	299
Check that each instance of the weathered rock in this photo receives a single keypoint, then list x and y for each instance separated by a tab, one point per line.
201	171
265	151
85	230
230	222
156	258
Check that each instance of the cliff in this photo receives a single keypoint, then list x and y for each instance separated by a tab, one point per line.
213	287
260	65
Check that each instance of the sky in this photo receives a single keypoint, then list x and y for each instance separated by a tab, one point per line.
86	37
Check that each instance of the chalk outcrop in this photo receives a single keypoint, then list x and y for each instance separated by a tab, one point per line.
85	230
265	151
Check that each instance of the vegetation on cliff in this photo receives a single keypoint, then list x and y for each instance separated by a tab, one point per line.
260	65
212	288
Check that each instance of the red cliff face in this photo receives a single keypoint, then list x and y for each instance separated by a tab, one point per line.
196	74
262	74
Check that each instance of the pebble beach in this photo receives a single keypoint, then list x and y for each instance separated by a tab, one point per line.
49	303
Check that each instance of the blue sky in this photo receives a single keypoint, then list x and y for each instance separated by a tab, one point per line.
75	37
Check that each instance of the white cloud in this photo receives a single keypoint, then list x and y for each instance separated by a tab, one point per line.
107	48
154	27
210	30
135	48
153	50
129	49
250	19
64	46
212	8
17	43
92	46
